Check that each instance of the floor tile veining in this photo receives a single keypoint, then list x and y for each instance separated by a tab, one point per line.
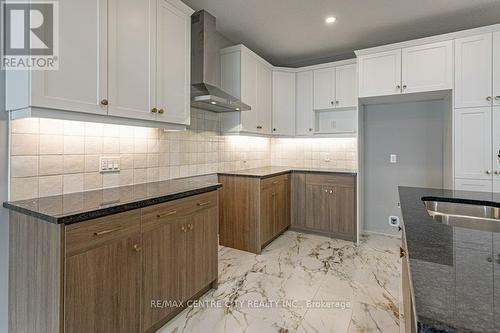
302	283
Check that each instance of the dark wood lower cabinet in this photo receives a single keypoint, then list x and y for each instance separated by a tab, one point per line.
115	273
325	203
254	211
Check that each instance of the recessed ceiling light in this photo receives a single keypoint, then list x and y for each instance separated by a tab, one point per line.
330	19
213	103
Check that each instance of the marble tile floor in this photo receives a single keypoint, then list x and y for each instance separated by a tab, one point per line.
302	283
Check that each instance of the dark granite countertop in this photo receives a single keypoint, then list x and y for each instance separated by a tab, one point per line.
271	171
77	207
455	271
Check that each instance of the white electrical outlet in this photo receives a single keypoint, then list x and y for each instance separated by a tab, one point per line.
327	157
394	221
109	164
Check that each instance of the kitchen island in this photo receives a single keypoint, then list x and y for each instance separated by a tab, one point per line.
453	264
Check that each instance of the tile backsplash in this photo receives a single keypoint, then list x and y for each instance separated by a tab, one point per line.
50	157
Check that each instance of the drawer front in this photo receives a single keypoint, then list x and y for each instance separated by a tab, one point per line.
337	180
267	182
90	234
160	213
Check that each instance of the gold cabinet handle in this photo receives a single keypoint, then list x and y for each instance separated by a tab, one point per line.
166	214
137	248
161	111
402	252
190	226
154	110
200	204
183	228
104	101
105	232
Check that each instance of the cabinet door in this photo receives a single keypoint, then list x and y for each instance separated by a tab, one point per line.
343	211
496	68
496	143
427	67
324	88
173	55
80	83
318	207
346	95
305	113
202	249
267	197
132	63
249	119
496	282
473	143
102	288
283	103
473	68
164	267
379	74
282	206
264	99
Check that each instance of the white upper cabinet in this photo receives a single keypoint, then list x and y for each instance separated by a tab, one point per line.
132	59
427	67
80	82
379	73
496	68
496	143
324	88
304	110
173	62
283	103
473	158
346	94
264	99
473	71
247	76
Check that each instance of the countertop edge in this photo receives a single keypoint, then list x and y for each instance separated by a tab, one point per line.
105	211
242	173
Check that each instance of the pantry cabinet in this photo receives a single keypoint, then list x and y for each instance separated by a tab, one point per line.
125	60
284	86
473	71
304	109
473	143
379	73
247	76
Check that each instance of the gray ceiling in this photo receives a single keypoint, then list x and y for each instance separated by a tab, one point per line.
293	32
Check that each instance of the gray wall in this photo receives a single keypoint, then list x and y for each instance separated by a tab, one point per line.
4	226
413	131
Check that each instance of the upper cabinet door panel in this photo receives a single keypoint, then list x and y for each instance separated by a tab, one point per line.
345	86
173	55
304	113
132	63
473	70
496	143
249	93
264	98
324	88
473	143
80	83
283	103
427	67
380	74
496	68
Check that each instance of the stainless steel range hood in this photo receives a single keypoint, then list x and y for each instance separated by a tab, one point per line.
204	91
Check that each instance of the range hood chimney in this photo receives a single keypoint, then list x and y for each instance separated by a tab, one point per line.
204	91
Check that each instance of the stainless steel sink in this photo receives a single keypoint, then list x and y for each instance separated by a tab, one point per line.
479	217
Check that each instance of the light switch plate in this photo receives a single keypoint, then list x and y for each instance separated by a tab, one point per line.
109	164
394	158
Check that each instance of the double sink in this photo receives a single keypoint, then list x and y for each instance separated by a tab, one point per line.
465	215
